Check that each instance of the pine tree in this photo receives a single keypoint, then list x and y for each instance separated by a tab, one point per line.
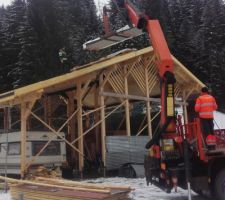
42	16
13	17
2	46
79	23
211	42
26	69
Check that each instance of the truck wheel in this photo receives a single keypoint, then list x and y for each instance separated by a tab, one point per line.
219	185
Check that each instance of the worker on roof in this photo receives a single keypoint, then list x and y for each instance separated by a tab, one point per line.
205	105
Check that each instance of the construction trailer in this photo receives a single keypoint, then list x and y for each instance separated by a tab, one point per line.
89	95
53	156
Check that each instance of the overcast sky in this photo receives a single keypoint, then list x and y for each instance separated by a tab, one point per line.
101	2
5	2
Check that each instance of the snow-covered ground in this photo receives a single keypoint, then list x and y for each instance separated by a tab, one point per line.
141	190
4	196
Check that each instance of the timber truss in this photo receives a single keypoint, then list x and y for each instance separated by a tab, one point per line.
96	91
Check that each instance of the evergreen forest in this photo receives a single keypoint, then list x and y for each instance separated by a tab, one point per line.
33	31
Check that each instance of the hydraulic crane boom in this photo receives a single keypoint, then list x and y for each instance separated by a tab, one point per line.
165	66
176	156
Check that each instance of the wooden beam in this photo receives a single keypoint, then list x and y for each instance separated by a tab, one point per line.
35	183
186	95
16	122
127	110
148	108
103	126
71	123
130	68
185	109
97	123
97	118
121	122
25	112
80	127
50	139
85	88
134	97
116	84
55	132
107	75
142	123
138	75
91	111
23	139
139	132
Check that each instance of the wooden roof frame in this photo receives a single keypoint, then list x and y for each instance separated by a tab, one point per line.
17	96
122	77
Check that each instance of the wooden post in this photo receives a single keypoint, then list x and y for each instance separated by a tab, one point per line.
48	109
97	118
23	139
127	109
71	123
103	128
26	108
6	120
185	108
148	107
80	127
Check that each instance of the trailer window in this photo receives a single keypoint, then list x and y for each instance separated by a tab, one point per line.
14	148
52	149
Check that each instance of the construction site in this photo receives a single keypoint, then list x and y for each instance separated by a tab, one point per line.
130	113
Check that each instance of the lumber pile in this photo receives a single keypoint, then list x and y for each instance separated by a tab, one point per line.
60	189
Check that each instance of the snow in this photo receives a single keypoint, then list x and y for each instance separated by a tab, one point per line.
219	120
5	2
141	190
99	5
4	196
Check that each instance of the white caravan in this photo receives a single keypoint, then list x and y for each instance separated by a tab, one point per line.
53	155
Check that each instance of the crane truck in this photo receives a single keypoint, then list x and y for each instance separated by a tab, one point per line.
176	151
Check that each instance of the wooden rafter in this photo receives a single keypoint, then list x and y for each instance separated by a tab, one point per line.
116	79
177	90
138	74
106	74
151	72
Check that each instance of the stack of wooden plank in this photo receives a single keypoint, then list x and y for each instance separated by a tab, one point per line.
59	189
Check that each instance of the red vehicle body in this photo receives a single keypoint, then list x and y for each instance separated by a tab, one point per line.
177	154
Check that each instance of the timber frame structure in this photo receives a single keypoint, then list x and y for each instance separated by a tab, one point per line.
99	88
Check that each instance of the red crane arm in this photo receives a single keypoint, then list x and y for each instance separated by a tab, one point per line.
164	63
140	20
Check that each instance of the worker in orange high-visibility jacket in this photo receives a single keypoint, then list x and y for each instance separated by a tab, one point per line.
205	105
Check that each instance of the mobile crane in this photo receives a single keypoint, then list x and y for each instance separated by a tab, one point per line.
176	157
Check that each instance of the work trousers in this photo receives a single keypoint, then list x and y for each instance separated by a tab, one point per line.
207	127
